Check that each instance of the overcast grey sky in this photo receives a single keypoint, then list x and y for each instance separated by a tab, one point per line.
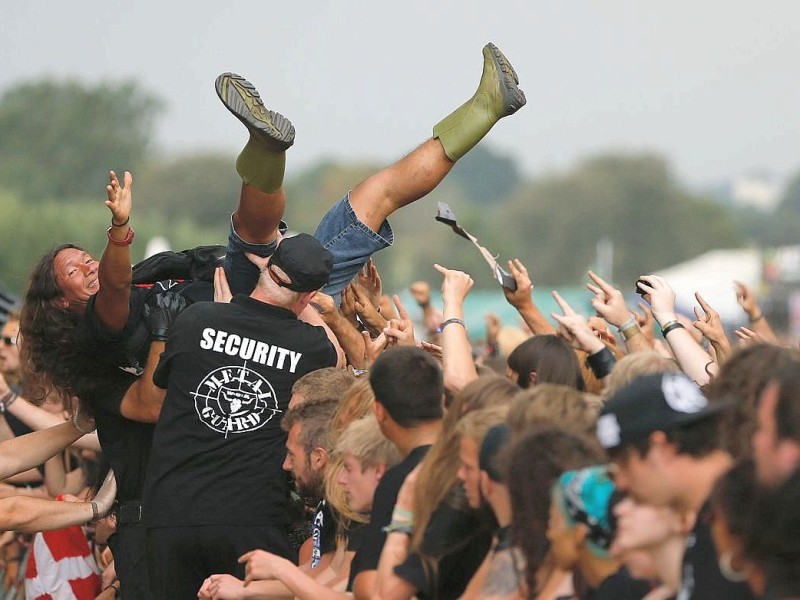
711	84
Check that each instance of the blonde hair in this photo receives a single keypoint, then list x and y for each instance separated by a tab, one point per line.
635	365
363	439
508	338
355	403
552	404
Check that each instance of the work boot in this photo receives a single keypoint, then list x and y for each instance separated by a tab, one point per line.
241	98
497	96
262	162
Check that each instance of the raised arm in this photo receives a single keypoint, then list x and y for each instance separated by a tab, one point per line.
609	303
111	302
758	322
693	360
458	367
710	325
522	300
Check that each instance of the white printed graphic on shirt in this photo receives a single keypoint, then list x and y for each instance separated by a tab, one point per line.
235	399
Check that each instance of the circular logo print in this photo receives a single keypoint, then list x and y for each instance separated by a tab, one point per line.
235	400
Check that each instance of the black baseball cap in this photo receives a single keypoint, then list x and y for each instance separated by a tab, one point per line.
301	264
659	402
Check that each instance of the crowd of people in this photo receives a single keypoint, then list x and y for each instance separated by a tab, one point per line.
271	424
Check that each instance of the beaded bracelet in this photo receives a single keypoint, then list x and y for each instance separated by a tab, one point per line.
124	242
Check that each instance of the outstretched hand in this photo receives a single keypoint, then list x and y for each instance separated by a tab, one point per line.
608	301
521	296
455	285
119	198
710	325
660	296
575	328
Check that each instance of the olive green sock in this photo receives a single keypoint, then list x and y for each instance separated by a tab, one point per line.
261	166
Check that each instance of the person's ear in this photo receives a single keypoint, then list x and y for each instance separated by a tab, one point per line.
486	484
319	458
61	302
380	412
380	469
533	377
579	534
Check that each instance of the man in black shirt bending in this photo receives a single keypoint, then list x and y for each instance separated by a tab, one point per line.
215	487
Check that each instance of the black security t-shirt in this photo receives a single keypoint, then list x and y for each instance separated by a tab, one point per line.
701	577
218	446
373	537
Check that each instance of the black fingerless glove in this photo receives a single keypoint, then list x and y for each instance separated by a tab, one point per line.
160	313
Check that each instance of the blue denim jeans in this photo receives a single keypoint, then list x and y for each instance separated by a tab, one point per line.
242	274
340	231
350	241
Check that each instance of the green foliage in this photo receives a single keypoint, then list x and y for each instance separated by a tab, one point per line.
553	225
201	187
485	177
59	139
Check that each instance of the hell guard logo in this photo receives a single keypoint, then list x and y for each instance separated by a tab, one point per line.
235	399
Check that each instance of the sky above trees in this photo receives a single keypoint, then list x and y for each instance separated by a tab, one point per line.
712	85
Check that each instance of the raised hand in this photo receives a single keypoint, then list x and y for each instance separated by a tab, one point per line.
710	325
521	297
660	296
400	331
119	198
370	280
455	285
575	328
608	301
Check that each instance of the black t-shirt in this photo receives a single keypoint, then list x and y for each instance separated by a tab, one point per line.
373	536
701	577
456	540
620	586
218	447
113	362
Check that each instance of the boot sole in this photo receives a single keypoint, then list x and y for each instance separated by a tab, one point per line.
241	98
513	97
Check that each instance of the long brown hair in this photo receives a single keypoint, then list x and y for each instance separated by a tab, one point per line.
437	474
48	350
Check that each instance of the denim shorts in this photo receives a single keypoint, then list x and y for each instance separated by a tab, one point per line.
340	231
242	274
350	241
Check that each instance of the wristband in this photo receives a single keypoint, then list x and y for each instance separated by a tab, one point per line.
405	527
627	324
95	511
602	362
125	222
631	331
441	327
126	242
670	326
401	514
7	401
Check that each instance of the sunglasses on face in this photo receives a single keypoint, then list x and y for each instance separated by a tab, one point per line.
8	341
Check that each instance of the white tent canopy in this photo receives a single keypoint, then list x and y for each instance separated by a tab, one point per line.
713	275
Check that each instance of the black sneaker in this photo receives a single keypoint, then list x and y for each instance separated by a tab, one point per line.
241	98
